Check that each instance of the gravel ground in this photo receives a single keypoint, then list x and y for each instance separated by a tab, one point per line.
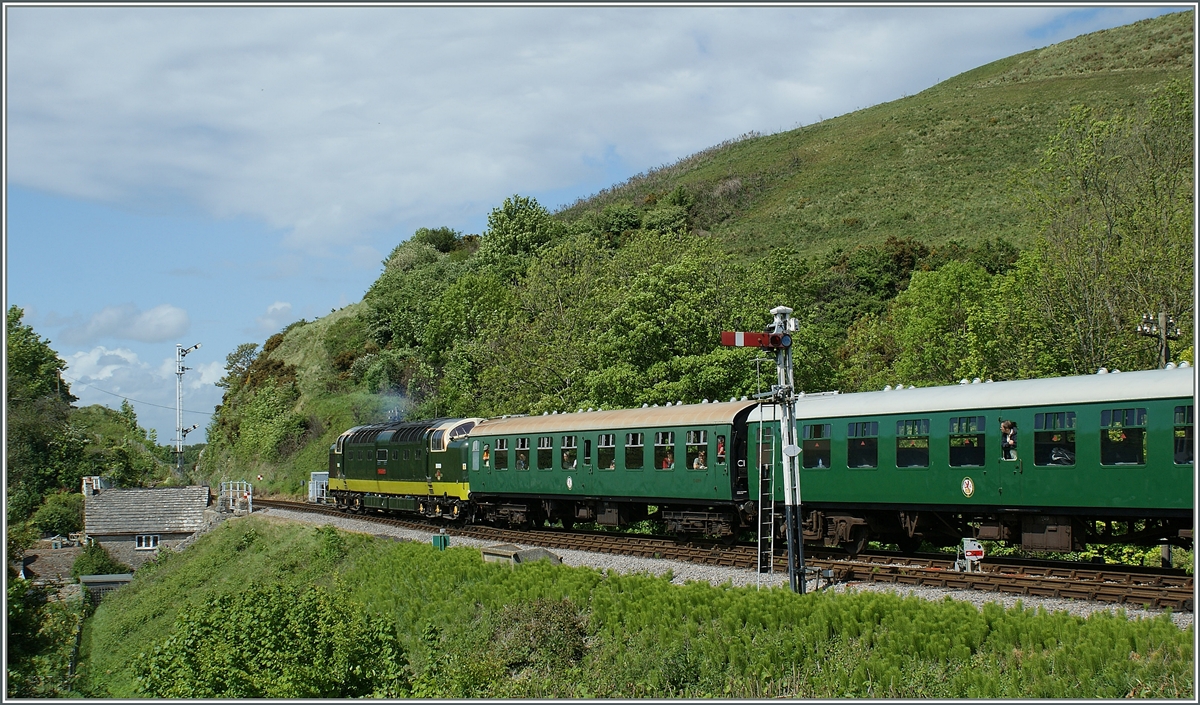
717	575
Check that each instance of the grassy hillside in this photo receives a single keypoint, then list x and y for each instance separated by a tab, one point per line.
954	233
935	166
222	620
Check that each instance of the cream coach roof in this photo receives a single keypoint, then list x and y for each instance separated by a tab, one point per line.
650	417
1085	389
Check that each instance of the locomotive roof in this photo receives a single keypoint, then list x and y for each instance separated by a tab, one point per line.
680	415
1084	389
398	431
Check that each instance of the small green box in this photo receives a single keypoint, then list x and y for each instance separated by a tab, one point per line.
441	541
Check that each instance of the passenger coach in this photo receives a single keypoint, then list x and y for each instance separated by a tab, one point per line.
689	461
1098	458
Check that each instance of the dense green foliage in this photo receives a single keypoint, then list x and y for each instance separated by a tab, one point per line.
461	628
41	638
275	642
96	560
61	513
1011	222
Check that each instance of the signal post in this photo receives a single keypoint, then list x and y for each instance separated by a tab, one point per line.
778	338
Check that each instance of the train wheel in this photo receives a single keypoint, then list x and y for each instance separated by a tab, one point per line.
858	541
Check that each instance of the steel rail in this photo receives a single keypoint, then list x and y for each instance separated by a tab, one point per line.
1123	585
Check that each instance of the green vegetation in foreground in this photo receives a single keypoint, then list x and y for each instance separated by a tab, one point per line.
464	628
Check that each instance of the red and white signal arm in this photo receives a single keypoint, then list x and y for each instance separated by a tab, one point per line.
739	339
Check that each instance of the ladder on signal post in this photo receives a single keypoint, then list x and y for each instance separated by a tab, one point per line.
766	516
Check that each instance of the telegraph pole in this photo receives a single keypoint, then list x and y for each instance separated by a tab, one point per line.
180	431
1164	328
783	393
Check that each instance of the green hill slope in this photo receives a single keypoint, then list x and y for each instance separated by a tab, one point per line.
940	236
934	166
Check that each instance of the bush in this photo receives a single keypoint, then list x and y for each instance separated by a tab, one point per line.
95	560
275	642
61	513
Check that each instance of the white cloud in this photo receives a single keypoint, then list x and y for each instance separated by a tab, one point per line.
100	363
278	315
331	123
126	322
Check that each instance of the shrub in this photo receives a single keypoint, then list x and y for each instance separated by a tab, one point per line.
95	560
61	513
275	642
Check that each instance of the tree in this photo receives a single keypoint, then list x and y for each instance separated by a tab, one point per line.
516	230
1112	198
38	402
61	514
237	364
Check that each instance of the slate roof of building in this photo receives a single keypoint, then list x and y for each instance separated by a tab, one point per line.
160	510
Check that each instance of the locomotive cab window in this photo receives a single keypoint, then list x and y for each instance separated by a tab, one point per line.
817	445
1123	436
501	454
635	454
606	451
569	451
1054	438
1183	435
967	447
697	450
664	450
522	453
912	443
545	454
862	444
381	455
437	443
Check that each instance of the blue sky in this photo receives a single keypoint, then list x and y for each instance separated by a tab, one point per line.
211	174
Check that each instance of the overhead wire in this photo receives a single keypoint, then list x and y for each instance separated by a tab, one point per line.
139	401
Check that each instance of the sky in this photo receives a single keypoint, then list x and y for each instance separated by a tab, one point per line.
206	174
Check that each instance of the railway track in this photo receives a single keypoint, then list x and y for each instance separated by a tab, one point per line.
1123	585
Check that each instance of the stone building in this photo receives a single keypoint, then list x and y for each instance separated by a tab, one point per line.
135	524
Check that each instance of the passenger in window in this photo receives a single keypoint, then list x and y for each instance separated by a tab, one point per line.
700	463
720	449
669	460
486	456
1008	439
612	464
522	462
568	461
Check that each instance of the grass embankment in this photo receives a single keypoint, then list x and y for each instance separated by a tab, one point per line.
464	628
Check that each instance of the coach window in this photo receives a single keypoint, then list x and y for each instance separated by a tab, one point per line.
912	443
664	450
569	451
545	456
1183	435
721	450
1054	438
967	445
1123	436
606	451
487	455
587	451
816	445
697	450
634	451
862	444
501	454
522	453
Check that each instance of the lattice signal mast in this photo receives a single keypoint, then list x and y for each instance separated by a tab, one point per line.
778	338
180	431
